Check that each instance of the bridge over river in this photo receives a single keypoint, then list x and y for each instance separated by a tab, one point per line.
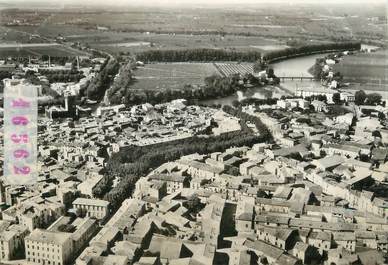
296	78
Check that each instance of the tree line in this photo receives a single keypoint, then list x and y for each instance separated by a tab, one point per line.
310	49
101	82
68	76
120	87
198	55
215	86
264	132
362	98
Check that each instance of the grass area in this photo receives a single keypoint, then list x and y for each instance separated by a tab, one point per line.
54	50
174	76
312	22
365	68
115	42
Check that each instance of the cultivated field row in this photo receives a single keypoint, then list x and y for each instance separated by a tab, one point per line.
227	69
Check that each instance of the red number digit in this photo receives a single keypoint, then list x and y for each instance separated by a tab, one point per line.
19	120
21	170
21	153
20	103
19	138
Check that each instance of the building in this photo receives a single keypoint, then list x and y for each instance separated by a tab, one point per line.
347	240
315	91
68	111
89	186
45	247
175	182
244	214
98	209
12	242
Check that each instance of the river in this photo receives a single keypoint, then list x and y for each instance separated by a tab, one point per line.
298	66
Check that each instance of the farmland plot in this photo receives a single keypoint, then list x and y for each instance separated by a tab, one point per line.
227	69
171	75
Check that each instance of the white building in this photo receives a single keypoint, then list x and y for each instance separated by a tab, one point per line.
92	207
44	247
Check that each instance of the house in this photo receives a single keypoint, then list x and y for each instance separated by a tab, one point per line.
347	96
321	240
92	208
319	106
12	241
342	256
345	150
91	184
367	239
200	170
304	252
347	240
175	182
329	162
40	245
244	214
283	238
211	217
273	254
315	91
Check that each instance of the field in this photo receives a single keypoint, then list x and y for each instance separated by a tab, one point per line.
253	27
14	42
228	69
25	50
171	76
367	69
117	41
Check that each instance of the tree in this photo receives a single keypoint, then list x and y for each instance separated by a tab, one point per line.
360	97
376	134
381	116
270	73
194	204
373	98
259	66
336	98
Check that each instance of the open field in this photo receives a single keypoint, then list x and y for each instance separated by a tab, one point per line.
315	21
171	75
39	49
257	27
367	68
18	35
228	69
115	42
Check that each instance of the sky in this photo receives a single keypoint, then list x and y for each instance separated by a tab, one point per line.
186	2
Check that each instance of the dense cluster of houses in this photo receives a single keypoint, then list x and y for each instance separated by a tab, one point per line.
315	195
243	206
57	219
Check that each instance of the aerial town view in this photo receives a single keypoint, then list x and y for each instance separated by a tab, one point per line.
178	132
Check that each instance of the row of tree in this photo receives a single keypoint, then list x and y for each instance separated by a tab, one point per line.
310	49
215	86
265	134
121	85
102	81
198	55
64	77
362	98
